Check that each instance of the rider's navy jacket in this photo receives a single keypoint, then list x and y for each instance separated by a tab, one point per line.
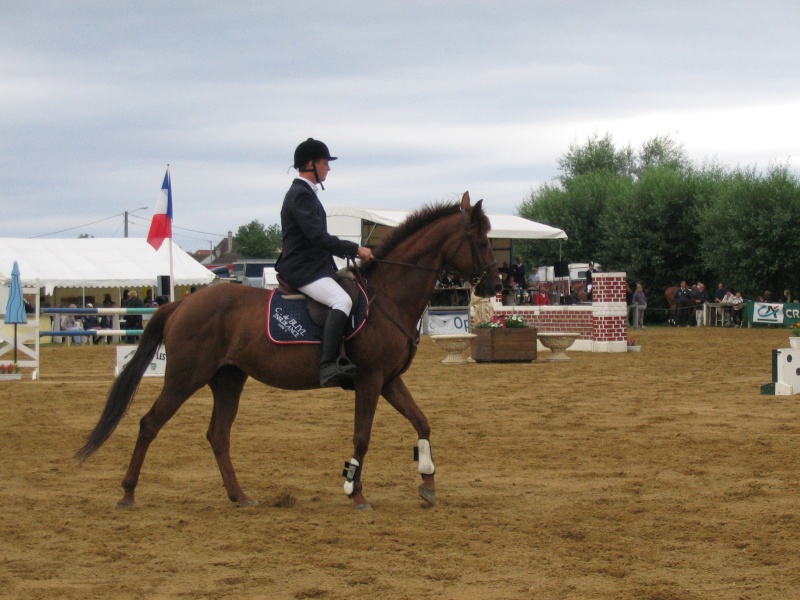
308	248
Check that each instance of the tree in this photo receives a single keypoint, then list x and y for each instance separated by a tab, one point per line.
750	239
255	241
597	154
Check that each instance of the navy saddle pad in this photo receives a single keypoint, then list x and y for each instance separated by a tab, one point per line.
289	322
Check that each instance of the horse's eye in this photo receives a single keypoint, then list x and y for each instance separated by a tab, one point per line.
482	245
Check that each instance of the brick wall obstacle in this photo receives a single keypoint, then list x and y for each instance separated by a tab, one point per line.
602	325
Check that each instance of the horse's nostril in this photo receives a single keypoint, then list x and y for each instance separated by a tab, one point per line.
498	288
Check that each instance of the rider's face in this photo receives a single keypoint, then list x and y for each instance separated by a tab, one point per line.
323	168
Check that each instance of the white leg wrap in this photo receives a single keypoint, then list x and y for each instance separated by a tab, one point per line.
350	475
425	459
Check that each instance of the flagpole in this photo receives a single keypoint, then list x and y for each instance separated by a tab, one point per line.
171	275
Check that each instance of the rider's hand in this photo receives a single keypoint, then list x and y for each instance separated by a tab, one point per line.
365	253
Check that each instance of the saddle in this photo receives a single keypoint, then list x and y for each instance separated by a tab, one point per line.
317	310
294	318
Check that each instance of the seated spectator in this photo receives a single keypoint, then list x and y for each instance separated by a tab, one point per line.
554	294
92	322
738	309
70	323
533	281
727	304
542	298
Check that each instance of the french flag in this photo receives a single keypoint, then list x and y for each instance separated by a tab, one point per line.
161	225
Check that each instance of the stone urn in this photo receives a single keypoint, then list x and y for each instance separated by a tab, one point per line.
557	342
454	345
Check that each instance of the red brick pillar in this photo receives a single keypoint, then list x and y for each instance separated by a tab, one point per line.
609	312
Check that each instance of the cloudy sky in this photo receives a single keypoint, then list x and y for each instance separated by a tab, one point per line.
420	100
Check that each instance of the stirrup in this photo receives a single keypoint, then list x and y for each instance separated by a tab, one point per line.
331	373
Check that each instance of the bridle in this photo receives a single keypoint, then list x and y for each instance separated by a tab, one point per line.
478	272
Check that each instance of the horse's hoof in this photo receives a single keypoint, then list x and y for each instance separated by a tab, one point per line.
128	505
247	503
427	494
365	506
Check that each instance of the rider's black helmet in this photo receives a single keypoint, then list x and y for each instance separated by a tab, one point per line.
311	149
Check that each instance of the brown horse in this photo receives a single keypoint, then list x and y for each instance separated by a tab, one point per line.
217	337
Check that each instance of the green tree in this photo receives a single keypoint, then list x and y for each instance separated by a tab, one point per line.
596	154
255	241
750	238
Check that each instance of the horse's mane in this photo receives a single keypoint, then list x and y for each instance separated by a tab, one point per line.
416	221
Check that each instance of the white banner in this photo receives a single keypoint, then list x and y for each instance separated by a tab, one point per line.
448	323
767	312
157	368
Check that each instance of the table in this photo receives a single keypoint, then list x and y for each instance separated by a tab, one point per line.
711	313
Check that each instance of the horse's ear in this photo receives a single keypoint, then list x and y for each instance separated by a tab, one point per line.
465	201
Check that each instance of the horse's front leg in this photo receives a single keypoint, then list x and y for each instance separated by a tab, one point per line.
366	402
397	394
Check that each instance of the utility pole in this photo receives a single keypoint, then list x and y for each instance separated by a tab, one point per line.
126	213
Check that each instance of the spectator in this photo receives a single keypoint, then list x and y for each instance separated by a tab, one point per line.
133	321
683	304
92	322
533	281
700	298
506	275
542	298
738	309
640	299
554	294
727	306
720	293
70	323
588	287
518	273
787	296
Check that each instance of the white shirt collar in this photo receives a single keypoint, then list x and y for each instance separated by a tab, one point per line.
313	187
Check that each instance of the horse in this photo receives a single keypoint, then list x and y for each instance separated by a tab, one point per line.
217	337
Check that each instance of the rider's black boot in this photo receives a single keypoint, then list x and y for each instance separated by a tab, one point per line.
332	367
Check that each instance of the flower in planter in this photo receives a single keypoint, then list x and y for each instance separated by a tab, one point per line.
16	367
501	322
515	322
794	329
632	342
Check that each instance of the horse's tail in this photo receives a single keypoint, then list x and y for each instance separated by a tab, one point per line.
126	383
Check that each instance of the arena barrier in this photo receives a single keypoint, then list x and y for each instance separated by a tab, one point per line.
602	325
115	331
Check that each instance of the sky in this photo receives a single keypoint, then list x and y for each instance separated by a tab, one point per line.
419	100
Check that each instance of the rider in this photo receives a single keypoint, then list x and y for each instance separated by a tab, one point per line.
306	260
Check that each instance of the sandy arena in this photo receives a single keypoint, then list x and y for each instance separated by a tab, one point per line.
662	475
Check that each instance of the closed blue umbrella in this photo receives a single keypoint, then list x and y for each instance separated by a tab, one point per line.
15	307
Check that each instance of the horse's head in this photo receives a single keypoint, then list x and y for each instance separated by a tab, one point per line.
471	252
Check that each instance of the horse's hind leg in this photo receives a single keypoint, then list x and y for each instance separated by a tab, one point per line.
227	385
397	394
166	405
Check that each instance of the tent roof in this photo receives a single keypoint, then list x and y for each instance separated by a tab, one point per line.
503	226
97	263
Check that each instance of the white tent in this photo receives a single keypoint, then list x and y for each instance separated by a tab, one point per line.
97	263
346	222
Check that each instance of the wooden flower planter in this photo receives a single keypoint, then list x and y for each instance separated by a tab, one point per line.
504	345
